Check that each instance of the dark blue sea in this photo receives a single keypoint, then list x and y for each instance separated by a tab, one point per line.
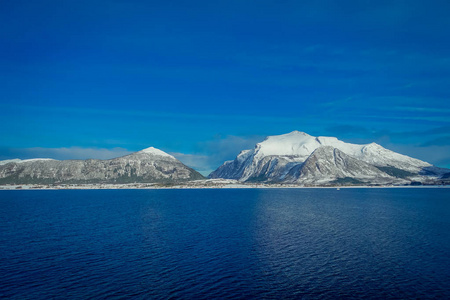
225	244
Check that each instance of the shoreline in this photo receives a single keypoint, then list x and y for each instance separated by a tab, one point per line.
150	186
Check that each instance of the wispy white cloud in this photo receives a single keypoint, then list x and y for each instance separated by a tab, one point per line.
210	155
213	153
422	109
436	155
63	153
431	145
205	117
440	141
227	147
200	163
437	119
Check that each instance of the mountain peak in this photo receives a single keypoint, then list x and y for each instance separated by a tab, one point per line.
296	132
280	157
292	143
155	151
293	134
374	145
149	165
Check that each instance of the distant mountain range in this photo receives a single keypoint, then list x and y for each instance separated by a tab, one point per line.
300	158
148	165
295	158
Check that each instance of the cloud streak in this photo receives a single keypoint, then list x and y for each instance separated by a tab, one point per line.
213	153
62	153
198	162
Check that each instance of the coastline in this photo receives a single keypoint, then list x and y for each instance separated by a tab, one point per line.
225	184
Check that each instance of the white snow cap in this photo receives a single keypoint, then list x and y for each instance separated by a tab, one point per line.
154	151
302	144
16	160
293	143
4	162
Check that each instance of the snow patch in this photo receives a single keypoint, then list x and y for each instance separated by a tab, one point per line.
4	162
19	161
36	159
155	151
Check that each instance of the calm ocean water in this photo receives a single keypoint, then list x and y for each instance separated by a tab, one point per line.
225	244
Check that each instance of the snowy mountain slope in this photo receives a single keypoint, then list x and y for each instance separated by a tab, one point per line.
302	145
281	158
148	165
154	151
16	160
4	162
328	164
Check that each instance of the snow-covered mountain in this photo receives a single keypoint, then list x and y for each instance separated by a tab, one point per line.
148	165
298	157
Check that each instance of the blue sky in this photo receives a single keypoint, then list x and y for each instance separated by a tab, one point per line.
206	79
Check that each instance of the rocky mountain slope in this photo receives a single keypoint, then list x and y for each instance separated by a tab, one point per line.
148	165
297	157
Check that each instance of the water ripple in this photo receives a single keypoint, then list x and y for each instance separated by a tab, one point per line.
225	244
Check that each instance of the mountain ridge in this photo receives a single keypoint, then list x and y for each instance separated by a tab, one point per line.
146	166
287	158
292	158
